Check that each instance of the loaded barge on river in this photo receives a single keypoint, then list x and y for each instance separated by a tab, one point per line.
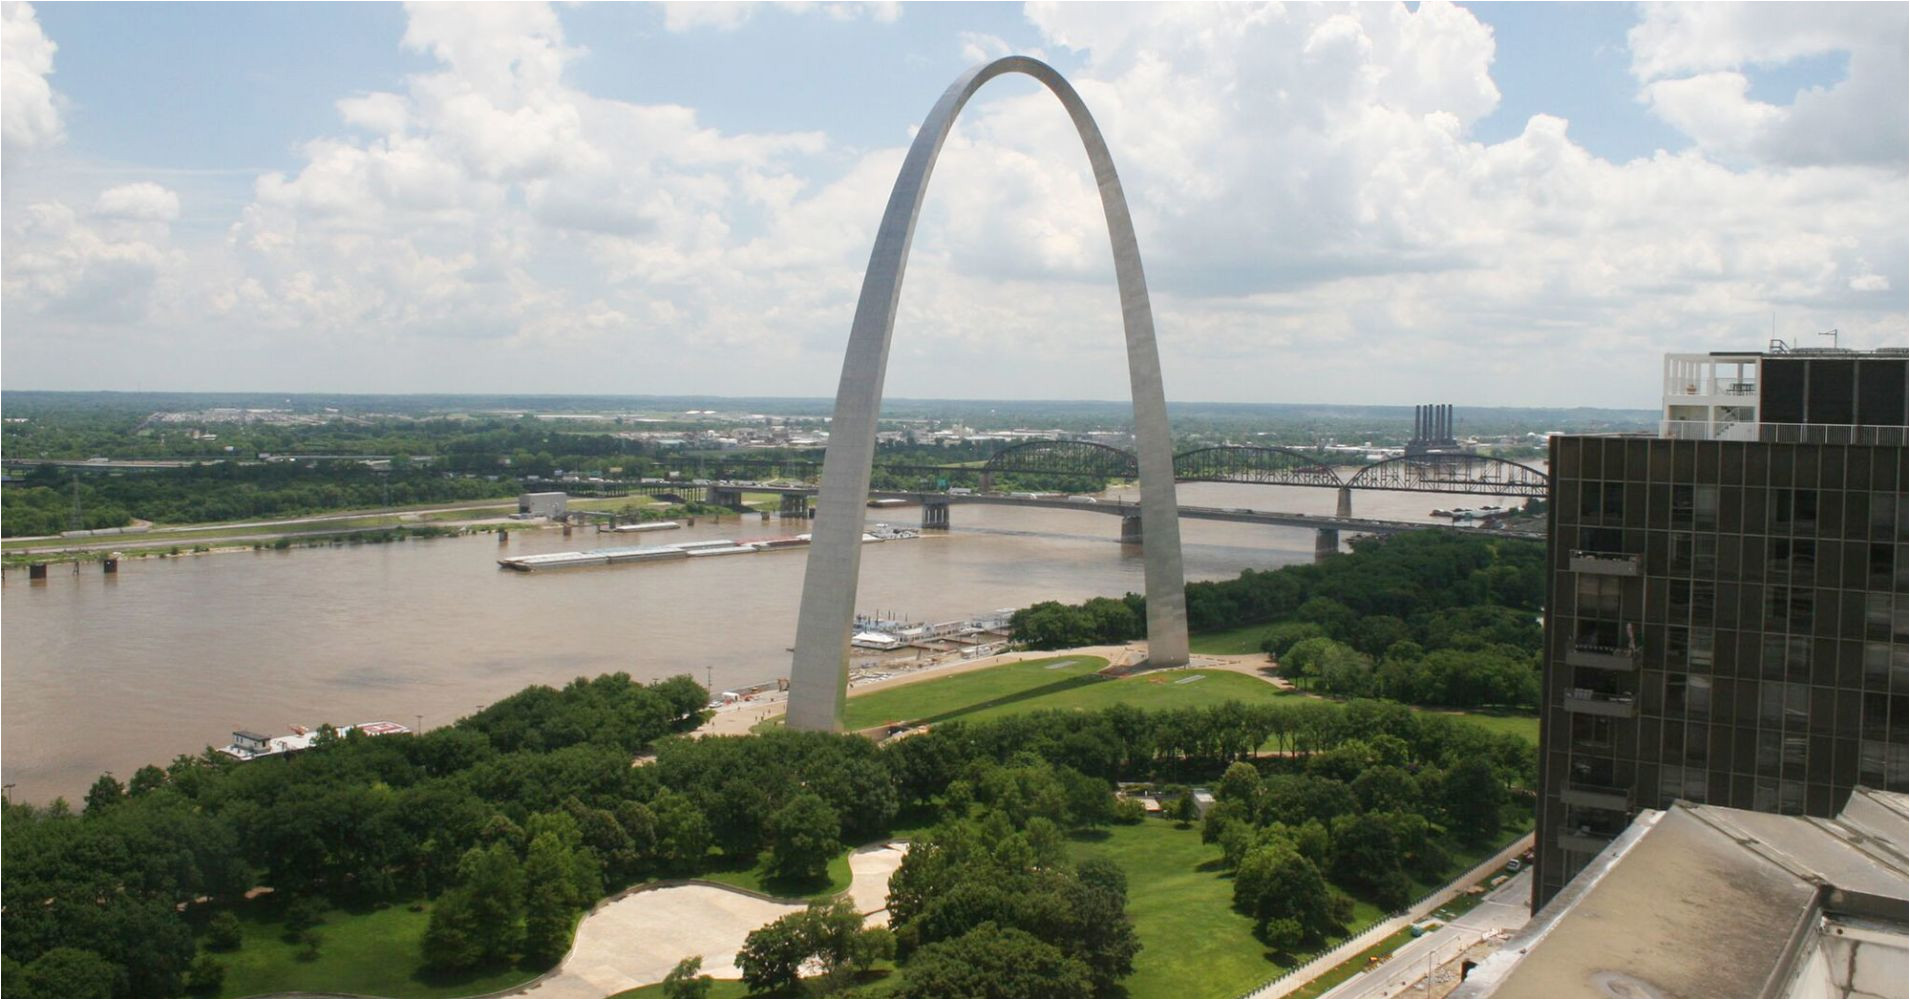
682	550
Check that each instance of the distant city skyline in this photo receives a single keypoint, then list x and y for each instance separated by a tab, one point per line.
1498	204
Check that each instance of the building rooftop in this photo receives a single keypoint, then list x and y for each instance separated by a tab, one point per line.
1701	900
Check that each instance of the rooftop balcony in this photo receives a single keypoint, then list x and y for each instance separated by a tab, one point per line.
1699	430
1602	657
1596	797
1698	387
1619	706
1604	563
1583	839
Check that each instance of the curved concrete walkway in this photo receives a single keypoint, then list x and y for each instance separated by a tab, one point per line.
638	937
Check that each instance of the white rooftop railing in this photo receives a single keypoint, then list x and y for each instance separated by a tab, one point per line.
1873	434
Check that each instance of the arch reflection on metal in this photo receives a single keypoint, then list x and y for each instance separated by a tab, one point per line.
818	676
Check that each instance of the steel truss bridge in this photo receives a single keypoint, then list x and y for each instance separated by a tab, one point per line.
1435	472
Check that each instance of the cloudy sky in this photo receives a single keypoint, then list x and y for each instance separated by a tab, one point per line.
1489	203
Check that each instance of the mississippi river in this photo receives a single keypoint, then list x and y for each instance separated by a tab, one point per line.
108	673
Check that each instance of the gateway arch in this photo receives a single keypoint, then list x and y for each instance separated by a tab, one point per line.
818	676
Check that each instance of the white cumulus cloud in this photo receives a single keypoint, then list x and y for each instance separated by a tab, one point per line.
1691	59
29	109
140	202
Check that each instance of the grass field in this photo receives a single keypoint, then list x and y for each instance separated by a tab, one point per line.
1193	944
373	953
1071	682
1231	642
1526	727
1064	682
757	879
720	989
996	691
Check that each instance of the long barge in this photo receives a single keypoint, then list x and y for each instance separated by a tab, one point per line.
681	550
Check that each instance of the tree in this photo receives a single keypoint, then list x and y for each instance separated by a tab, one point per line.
550	898
804	836
495	881
453	940
773	954
684	983
1274	883
1185	810
105	793
1475	801
991	961
222	931
301	915
146	779
71	972
1366	855
683	835
205	977
1281	638
1386	789
1241	784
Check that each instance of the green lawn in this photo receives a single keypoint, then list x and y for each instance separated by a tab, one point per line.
720	989
1193	944
374	953
1067	682
757	879
1526	727
1011	687
1230	642
1073	682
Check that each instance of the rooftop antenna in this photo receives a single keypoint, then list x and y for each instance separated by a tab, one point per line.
1832	334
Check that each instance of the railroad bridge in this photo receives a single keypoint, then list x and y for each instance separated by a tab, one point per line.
1451	472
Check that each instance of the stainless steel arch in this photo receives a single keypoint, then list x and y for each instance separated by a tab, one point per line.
819	673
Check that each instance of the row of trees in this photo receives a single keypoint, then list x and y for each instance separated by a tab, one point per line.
1430	618
516	817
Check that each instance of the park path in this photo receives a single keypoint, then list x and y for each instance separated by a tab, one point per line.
1378	932
637	937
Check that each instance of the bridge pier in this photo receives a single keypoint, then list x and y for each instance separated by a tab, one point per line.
723	496
1130	529
934	515
1345	506
1326	544
988	482
794	505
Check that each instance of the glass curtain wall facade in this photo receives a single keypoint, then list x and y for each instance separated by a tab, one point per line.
1726	623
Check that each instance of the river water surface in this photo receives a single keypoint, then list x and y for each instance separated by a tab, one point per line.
102	673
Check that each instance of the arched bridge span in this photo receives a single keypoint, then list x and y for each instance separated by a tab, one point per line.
1254	464
1084	458
1453	473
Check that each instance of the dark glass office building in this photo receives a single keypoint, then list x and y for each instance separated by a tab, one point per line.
1726	617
